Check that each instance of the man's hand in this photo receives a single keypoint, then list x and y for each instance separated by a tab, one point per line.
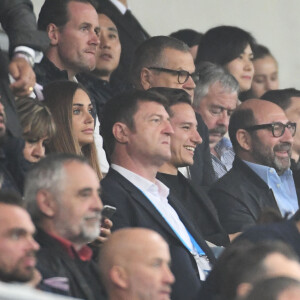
23	75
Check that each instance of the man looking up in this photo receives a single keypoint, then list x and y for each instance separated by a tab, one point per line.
216	97
135	265
136	131
262	139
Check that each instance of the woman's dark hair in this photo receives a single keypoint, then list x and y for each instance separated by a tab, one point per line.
220	45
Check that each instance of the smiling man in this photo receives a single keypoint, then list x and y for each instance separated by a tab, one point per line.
62	196
183	144
262	138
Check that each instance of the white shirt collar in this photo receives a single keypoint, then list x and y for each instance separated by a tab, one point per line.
142	183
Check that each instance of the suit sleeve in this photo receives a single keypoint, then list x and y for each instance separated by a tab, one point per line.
233	213
18	21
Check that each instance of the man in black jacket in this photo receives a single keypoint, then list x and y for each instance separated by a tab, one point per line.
136	132
262	138
183	144
62	196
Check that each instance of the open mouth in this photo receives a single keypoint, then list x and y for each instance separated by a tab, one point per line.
106	56
190	148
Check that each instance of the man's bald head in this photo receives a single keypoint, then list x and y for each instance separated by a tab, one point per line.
135	263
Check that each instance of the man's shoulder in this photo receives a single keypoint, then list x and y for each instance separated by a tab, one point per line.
47	72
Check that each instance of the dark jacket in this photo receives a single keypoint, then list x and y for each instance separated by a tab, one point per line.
18	21
135	210
202	172
54	263
240	196
198	204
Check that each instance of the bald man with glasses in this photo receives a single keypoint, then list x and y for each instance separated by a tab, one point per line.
262	138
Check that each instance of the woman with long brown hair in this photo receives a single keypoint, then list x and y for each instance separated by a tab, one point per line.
71	109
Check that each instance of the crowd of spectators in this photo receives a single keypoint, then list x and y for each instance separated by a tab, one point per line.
136	167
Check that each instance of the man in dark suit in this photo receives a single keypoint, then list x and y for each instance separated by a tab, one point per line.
163	61
262	138
183	145
131	33
136	132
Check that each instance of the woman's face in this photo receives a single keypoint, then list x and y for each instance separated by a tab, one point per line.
82	120
34	149
265	76
242	69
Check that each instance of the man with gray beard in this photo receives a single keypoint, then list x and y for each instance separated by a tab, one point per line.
62	197
216	97
260	178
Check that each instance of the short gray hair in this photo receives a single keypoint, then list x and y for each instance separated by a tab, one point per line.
48	174
209	74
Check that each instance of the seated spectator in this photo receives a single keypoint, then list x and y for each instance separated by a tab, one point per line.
99	83
216	97
232	48
265	74
135	264
62	196
70	51
277	288
38	127
17	245
262	138
131	33
71	109
190	37
289	101
243	264
136	132
163	61
183	143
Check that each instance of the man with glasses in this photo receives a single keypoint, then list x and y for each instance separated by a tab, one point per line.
289	101
163	61
260	178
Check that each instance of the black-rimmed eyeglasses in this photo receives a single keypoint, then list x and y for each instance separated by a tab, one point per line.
182	75
277	128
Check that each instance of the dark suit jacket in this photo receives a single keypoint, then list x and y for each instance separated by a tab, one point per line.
135	210
131	34
18	21
202	172
240	197
200	207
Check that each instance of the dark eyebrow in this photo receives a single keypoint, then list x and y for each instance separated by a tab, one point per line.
114	29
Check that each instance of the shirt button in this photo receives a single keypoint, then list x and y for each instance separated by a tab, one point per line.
271	170
278	185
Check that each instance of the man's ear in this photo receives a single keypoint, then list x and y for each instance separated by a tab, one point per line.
244	139
119	277
120	132
46	203
145	78
53	34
